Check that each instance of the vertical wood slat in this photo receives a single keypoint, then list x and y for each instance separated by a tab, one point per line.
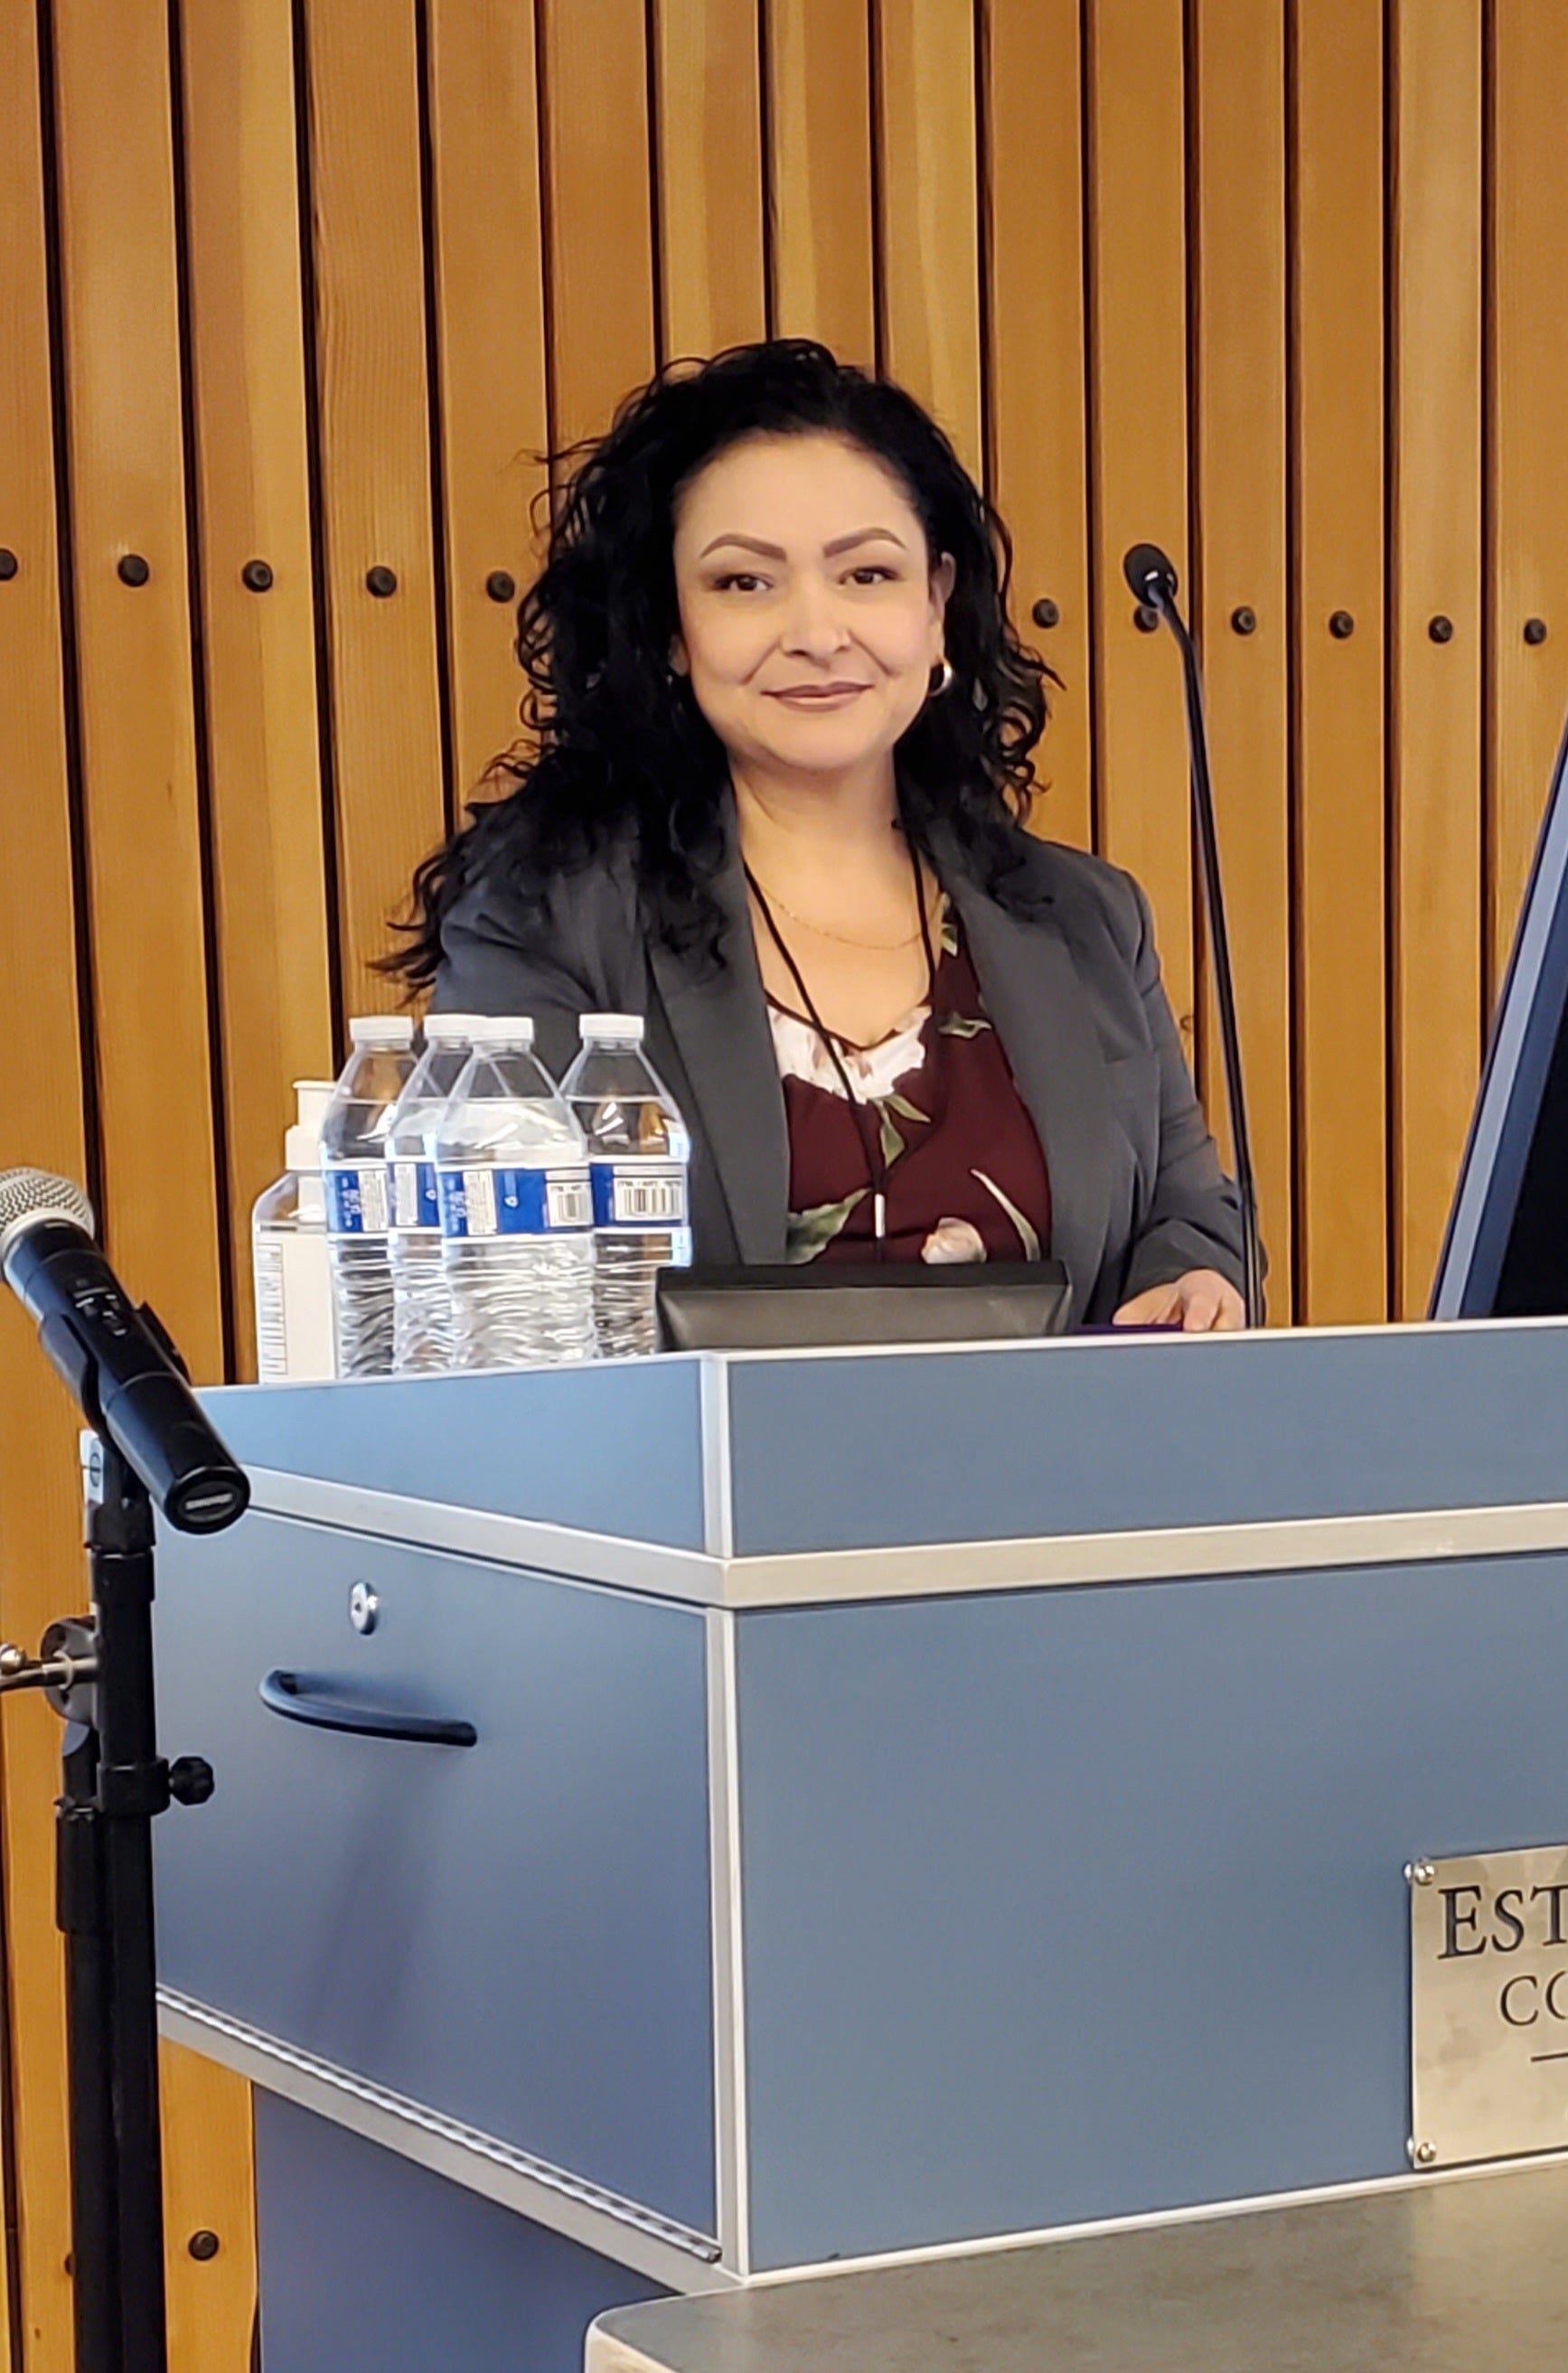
927	236
1240	468
248	395
598	210
1527	372
1337	332
363	82
707	66
144	832
1138	451
209	2185
820	198
490	309
40	1489
1038	437
1436	563
246	367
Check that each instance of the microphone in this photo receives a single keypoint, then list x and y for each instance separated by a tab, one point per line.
116	1359
1151	574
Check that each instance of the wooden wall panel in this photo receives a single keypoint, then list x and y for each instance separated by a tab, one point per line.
1137	346
598	210
1034	307
39	1487
248	389
1528	378
1239	562
928	230
711	267
1338	479
1435	129
490	311
143	829
372	393
208	2186
819	199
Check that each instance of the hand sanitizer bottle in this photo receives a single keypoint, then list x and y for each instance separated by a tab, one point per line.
289	1244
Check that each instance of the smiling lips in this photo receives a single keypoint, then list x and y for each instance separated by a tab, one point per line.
818	695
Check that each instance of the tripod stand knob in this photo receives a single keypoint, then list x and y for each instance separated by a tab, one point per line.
190	1780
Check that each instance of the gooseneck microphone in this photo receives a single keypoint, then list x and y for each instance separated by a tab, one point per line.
1151	575
116	1359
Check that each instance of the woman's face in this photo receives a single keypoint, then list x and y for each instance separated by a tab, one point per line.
811	613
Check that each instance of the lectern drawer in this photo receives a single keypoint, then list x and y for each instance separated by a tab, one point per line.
513	1931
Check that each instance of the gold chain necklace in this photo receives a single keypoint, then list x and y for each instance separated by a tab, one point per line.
842	938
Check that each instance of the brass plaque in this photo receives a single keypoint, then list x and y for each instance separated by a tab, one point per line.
1489	2006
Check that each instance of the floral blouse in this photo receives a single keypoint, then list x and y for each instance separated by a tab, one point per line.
965	1175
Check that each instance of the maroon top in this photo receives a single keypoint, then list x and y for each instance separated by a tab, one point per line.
965	1178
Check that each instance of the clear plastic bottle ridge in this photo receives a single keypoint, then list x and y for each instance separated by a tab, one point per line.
638	1151
422	1303
517	1235
354	1176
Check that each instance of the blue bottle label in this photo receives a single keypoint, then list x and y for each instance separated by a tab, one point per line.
638	1192
356	1199
492	1200
416	1205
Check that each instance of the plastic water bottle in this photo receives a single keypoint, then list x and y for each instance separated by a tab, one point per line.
354	1175
422	1303
289	1253
517	1209
639	1149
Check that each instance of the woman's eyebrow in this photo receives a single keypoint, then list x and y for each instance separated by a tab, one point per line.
747	543
862	535
830	551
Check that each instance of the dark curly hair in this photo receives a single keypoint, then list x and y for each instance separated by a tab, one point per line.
616	746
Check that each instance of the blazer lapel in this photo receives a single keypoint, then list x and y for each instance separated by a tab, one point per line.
718	1017
1032	995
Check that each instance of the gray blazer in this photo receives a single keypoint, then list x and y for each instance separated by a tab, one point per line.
1138	1196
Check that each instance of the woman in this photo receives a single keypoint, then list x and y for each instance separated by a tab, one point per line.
783	738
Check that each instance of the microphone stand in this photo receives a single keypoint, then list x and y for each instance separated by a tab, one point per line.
1153	580
98	1673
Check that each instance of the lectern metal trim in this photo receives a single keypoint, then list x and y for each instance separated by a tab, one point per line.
733	2185
656	2246
825	1577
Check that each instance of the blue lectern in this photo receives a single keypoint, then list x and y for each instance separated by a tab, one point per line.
913	1796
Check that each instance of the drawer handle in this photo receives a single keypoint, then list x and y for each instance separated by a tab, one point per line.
286	1694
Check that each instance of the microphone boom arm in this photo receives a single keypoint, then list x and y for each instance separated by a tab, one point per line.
1153	580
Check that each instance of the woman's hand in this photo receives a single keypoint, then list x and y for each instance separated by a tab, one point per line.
1202	1302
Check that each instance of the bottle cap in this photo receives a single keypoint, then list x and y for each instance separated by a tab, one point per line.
499	1030
382	1029
449	1029
611	1025
302	1142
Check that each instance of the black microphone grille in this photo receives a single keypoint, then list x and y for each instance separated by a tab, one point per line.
1151	573
30	1197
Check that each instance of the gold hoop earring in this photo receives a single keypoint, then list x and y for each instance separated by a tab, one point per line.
946	684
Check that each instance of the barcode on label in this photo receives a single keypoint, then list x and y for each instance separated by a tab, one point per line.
650	1198
568	1199
640	1195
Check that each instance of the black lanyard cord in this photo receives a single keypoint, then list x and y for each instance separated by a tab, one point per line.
876	1167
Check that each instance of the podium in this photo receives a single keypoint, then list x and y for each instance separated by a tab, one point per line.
915	1797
